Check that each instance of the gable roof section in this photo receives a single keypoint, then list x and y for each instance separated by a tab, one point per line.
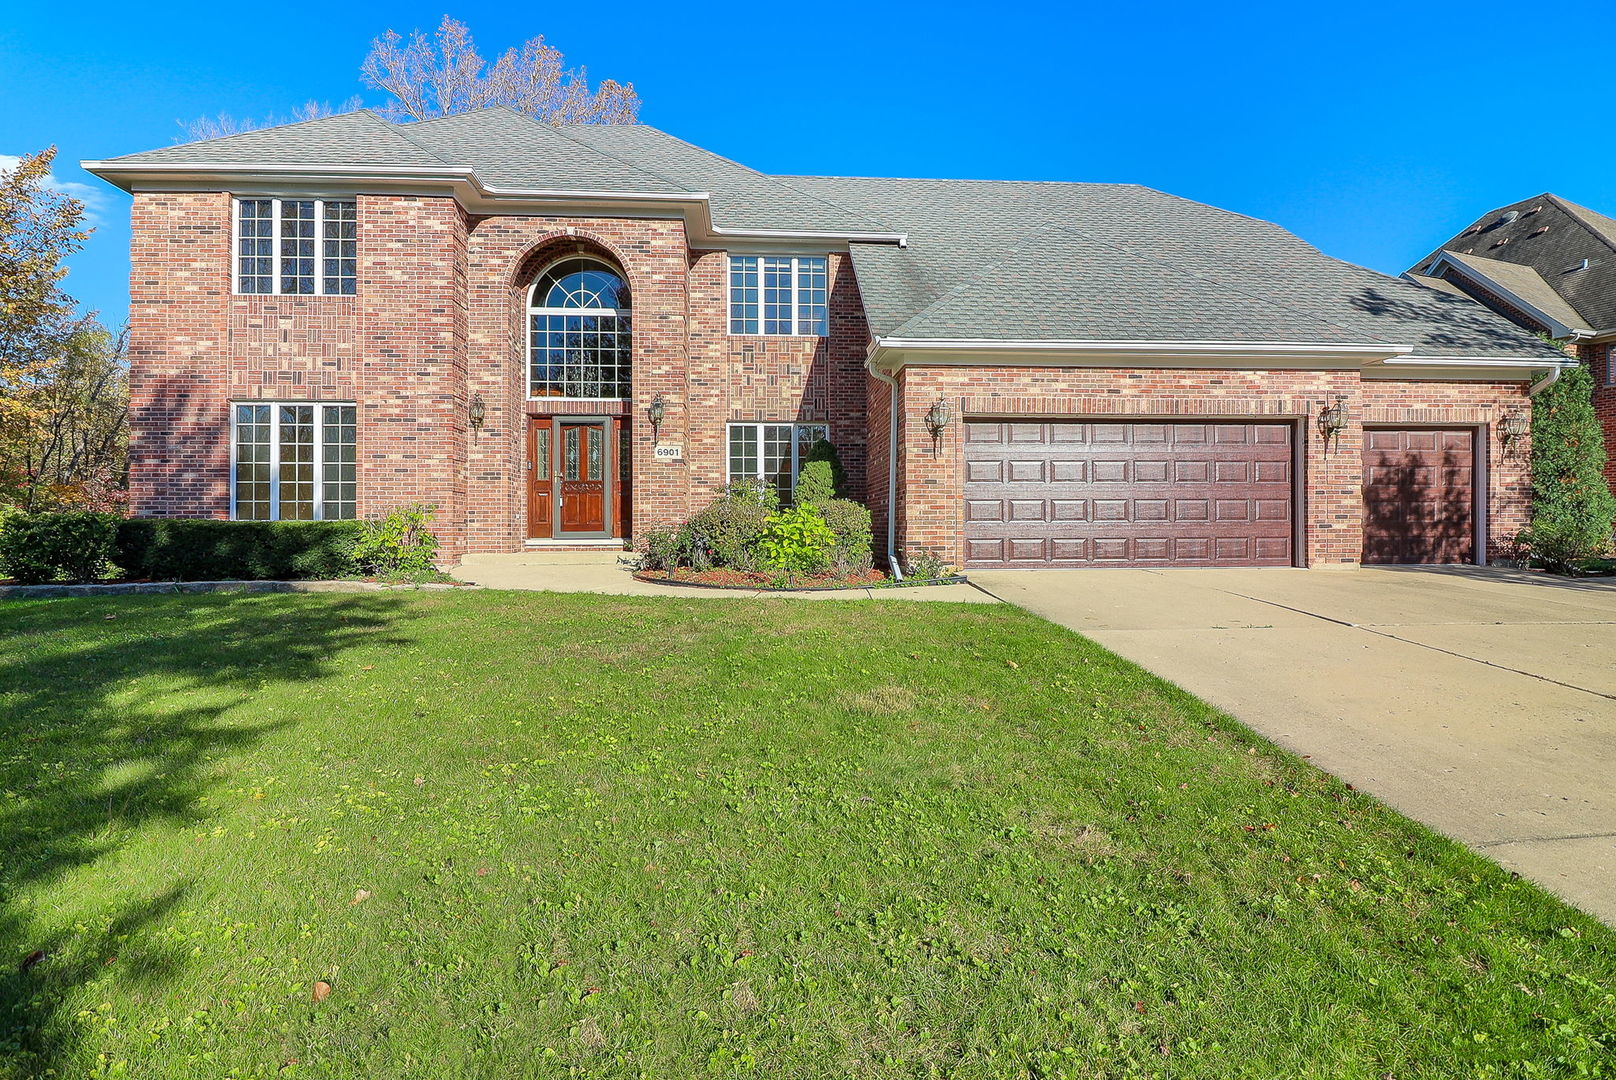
741	198
967	260
1000	260
509	150
1551	236
354	138
1522	284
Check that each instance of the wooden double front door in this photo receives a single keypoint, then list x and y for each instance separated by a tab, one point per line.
578	477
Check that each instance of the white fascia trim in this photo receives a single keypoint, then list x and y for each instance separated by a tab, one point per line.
461	179
894	353
1540	362
1557	329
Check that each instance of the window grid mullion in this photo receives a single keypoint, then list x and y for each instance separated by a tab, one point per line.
274	462
317	420
319	249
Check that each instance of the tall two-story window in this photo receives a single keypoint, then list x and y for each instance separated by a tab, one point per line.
772	452
296	246
579	340
778	294
292	461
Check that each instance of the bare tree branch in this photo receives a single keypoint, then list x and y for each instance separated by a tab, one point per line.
217	127
445	74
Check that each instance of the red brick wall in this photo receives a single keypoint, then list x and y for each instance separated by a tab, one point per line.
440	315
397	348
930	511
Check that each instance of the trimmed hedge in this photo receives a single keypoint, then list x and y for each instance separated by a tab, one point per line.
71	545
187	549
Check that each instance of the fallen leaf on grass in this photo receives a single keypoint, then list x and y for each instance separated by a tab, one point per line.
419	780
32	960
322	990
1139	1006
359	897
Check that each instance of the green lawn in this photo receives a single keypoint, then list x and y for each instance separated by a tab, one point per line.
661	838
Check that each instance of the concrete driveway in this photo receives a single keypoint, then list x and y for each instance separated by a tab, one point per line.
1481	702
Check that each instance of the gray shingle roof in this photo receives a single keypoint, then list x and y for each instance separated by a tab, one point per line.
1525	283
1552	236
992	260
742	198
355	138
1194	273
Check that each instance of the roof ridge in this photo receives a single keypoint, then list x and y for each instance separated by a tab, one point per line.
770	176
962	180
636	166
365	111
1575	212
398	129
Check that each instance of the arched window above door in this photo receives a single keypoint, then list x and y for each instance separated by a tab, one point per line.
579	332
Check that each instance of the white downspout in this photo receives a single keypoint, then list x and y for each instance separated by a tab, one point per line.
1545	382
892	467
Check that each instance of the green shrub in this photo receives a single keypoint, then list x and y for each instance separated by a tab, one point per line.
191	549
1572	507
822	450
397	545
850	522
815	486
796	541
727	530
926	564
71	545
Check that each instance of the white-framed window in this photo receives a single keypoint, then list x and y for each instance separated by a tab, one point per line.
292	461
778	294
296	246
773	452
580	333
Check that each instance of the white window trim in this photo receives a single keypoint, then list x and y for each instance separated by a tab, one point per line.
532	311
796	286
758	426
275	244
275	454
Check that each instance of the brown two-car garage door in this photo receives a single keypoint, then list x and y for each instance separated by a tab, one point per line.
1075	493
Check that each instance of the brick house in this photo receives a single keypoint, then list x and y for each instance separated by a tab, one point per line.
564	335
1548	265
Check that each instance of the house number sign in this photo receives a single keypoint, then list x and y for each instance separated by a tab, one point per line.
669	452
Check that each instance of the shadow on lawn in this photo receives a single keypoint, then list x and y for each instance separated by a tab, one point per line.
87	754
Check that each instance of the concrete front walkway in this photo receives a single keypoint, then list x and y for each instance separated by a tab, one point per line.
608	572
1481	702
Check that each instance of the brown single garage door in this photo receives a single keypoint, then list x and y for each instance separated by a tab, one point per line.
1419	495
1074	493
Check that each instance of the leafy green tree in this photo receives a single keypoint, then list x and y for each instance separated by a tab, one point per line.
1572	506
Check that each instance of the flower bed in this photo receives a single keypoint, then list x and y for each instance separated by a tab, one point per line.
748	581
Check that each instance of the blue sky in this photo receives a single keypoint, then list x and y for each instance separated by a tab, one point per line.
1373	130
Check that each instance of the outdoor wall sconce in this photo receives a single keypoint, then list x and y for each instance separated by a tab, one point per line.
1333	419
937	419
478	412
1513	427
655	412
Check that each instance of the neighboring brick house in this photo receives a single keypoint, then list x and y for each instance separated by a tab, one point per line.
564	335
1548	265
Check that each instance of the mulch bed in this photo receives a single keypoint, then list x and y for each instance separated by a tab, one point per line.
726	578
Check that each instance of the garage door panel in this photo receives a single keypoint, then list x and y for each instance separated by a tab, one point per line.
1022	471
1117	494
984	471
1419	495
984	510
